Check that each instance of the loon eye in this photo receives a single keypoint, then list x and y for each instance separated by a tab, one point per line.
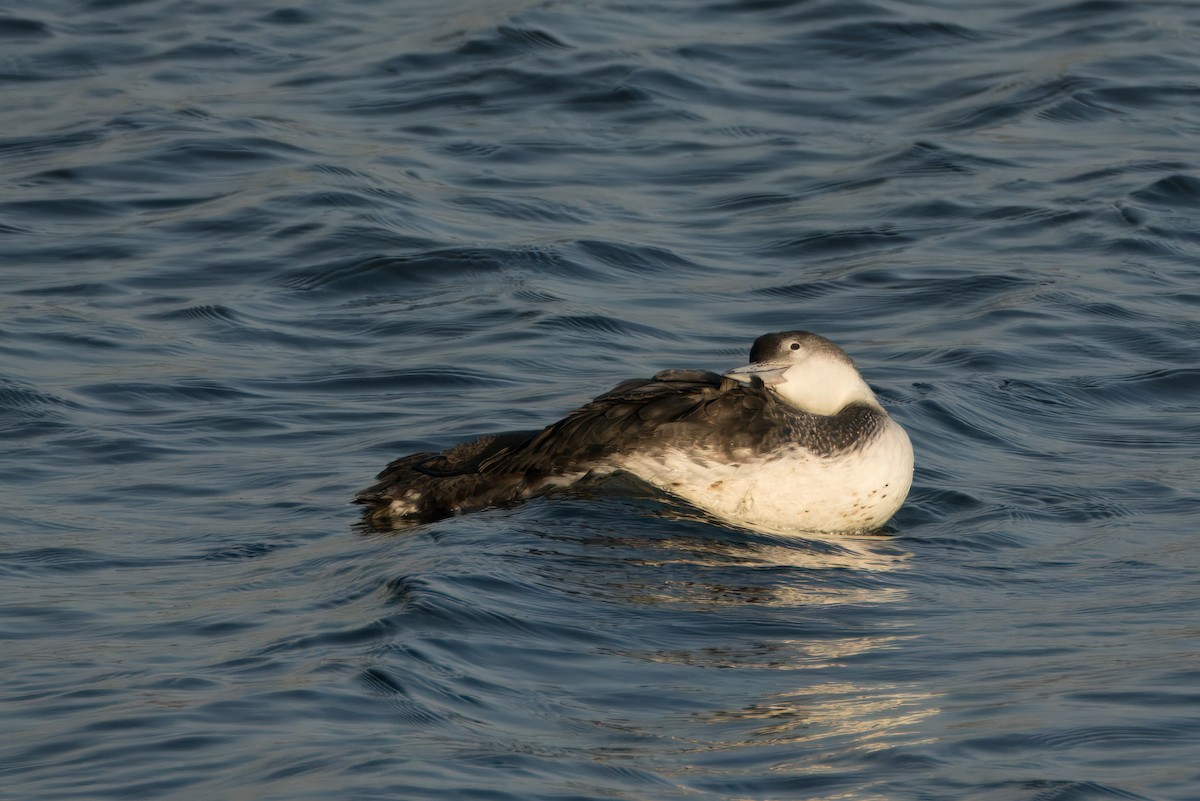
795	346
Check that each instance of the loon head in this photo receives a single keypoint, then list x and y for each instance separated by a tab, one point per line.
806	371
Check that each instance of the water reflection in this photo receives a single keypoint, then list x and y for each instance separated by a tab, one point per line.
717	660
707	567
791	635
815	742
871	716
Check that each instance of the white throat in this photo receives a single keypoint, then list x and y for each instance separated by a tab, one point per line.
824	386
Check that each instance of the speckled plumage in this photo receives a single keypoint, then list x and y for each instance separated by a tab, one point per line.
709	439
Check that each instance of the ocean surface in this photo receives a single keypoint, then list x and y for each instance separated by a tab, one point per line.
252	252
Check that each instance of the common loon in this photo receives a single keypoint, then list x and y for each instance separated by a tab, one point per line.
793	442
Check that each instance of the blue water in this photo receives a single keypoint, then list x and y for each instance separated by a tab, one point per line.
252	252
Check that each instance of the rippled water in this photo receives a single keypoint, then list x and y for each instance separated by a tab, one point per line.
251	253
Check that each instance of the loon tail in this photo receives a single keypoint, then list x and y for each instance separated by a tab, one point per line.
429	486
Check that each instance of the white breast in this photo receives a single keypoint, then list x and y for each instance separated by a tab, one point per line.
789	490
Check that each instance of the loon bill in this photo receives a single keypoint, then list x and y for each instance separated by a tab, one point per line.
793	442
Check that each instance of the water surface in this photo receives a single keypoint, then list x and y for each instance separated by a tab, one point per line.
252	253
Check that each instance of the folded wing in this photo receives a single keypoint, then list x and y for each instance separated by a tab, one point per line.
691	409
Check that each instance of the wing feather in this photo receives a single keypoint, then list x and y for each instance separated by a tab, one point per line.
676	407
